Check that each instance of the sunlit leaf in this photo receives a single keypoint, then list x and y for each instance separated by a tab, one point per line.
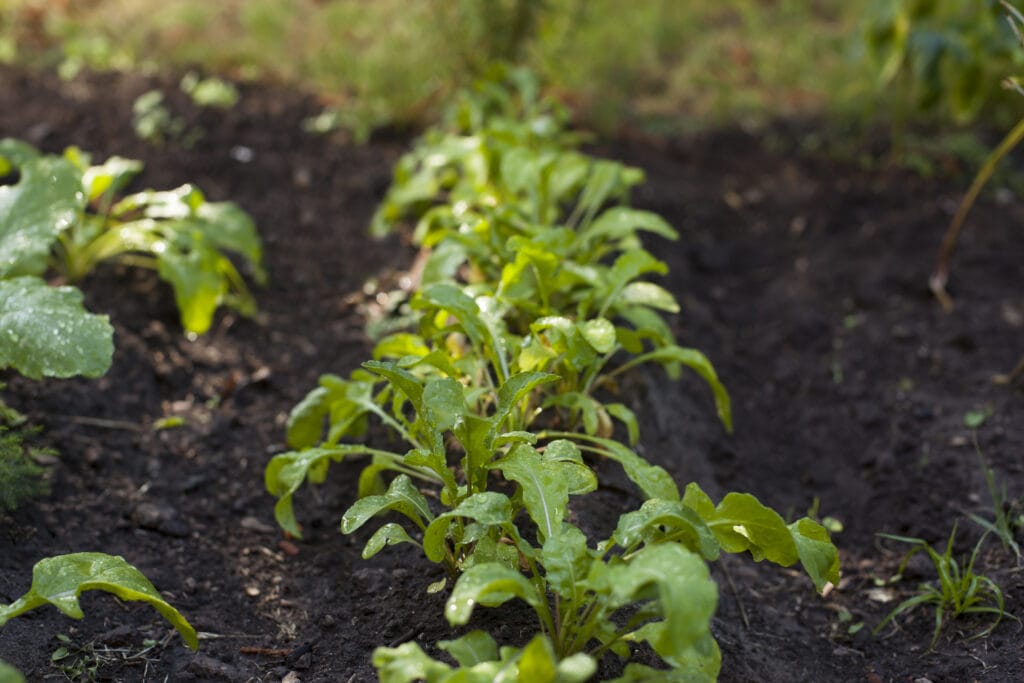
60	580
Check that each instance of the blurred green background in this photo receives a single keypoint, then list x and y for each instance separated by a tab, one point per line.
666	66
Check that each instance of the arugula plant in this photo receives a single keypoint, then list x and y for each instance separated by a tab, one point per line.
72	218
649	583
60	580
440	419
958	590
534	233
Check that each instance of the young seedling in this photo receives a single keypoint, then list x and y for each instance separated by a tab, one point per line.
958	589
67	213
1007	514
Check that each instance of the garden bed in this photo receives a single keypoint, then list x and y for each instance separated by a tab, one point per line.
802	278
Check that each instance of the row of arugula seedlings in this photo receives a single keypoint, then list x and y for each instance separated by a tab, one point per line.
530	303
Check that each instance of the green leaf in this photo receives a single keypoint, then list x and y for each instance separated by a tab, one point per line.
399	345
652	480
402	380
227	226
741	523
566	561
444	262
599	333
451	298
658	520
17	153
578	477
489	584
286	472
818	555
306	420
514	389
626	417
648	294
699	363
407	663
685	596
402	497
444	403
45	331
630	265
639	673
110	177
471	649
537	661
545	491
576	668
45	201
389	534
8	674
59	581
488	508
194	270
621	222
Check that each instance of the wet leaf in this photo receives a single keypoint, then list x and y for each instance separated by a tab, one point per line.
60	580
45	331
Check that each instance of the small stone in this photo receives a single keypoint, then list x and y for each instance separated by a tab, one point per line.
161	518
291	677
254	524
208	668
252	591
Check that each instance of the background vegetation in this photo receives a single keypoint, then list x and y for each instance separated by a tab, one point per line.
663	65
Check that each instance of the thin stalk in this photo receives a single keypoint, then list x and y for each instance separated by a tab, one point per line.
595	371
940	276
397	426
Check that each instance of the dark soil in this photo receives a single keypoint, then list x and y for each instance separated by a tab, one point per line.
804	280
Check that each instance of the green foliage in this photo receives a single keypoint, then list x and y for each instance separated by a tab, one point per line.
949	55
154	122
940	275
68	212
958	589
533	288
1008	515
648	583
60	580
535	233
46	331
8	674
20	475
209	92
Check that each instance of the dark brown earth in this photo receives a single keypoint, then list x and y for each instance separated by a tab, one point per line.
803	278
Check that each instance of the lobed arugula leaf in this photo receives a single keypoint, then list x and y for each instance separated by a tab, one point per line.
401	497
742	524
59	580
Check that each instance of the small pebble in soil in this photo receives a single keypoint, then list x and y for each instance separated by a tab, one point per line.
208	668
161	518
